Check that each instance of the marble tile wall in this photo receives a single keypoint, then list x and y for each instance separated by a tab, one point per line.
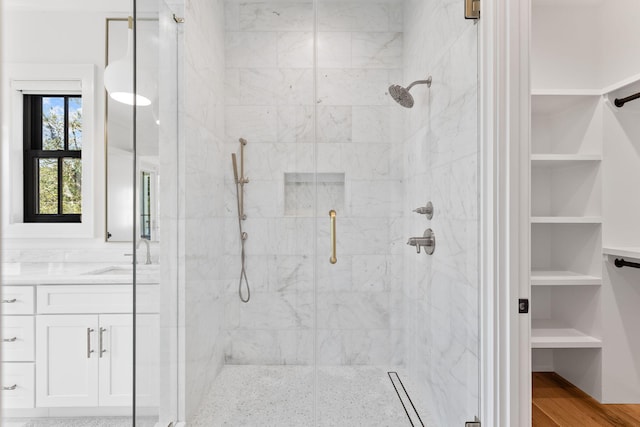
274	99
201	195
440	164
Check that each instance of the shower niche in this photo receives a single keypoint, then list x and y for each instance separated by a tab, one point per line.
300	192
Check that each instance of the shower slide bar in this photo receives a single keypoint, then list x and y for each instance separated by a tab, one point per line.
620	262
240	181
619	102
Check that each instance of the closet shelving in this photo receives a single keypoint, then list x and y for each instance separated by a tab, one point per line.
584	165
563	278
566	218
628	252
553	334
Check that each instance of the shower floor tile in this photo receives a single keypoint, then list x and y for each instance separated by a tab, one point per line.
282	396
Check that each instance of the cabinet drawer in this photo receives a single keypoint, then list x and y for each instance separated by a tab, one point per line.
18	385
96	299
17	300
18	338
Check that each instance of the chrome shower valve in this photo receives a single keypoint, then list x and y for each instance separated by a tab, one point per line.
427	241
425	210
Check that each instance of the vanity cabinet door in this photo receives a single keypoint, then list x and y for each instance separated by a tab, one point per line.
116	363
116	359
67	360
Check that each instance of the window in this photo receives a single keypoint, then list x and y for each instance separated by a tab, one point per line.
52	158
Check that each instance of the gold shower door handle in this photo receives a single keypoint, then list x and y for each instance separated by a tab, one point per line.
332	215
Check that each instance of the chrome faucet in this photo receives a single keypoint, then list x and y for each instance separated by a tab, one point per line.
146	242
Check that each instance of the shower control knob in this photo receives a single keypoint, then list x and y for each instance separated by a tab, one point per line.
425	210
427	241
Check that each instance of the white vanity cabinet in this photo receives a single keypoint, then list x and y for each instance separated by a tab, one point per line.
71	346
87	360
18	343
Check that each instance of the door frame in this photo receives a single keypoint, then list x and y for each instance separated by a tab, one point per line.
504	45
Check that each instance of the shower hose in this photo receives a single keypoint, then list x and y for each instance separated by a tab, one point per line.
243	239
243	273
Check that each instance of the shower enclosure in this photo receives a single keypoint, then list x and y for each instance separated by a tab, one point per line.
306	84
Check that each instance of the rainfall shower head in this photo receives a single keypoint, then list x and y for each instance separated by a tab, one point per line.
402	95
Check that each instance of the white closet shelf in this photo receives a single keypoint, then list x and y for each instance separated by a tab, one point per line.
552	334
566	92
621	84
563	160
566	220
563	278
552	101
630	252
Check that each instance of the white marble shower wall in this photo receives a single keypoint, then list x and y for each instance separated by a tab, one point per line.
440	164
201	194
272	97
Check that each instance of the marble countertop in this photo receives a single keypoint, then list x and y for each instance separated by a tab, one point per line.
57	273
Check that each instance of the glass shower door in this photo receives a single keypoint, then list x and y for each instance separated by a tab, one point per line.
153	286
396	329
278	333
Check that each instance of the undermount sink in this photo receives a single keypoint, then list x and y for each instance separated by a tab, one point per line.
121	270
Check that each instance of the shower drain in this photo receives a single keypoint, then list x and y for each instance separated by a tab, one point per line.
405	399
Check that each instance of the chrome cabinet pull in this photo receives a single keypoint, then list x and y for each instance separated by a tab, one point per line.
332	215
12	339
9	301
89	351
11	387
102	350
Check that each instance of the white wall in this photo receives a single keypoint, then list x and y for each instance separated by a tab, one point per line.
621	172
621	51
585	45
567	46
621	210
63	37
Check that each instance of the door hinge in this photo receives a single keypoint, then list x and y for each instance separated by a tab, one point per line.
523	306
475	423
472	9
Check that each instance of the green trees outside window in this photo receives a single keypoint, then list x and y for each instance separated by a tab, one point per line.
53	158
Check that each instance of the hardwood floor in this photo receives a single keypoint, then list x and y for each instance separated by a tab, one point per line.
557	402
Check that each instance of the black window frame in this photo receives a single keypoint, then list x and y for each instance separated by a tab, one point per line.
32	143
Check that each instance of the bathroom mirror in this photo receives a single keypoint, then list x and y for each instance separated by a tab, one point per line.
119	148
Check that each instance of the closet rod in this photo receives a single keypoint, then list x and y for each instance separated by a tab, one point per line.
619	102
620	262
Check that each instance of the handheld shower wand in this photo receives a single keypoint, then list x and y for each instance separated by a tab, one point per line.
235	167
240	181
